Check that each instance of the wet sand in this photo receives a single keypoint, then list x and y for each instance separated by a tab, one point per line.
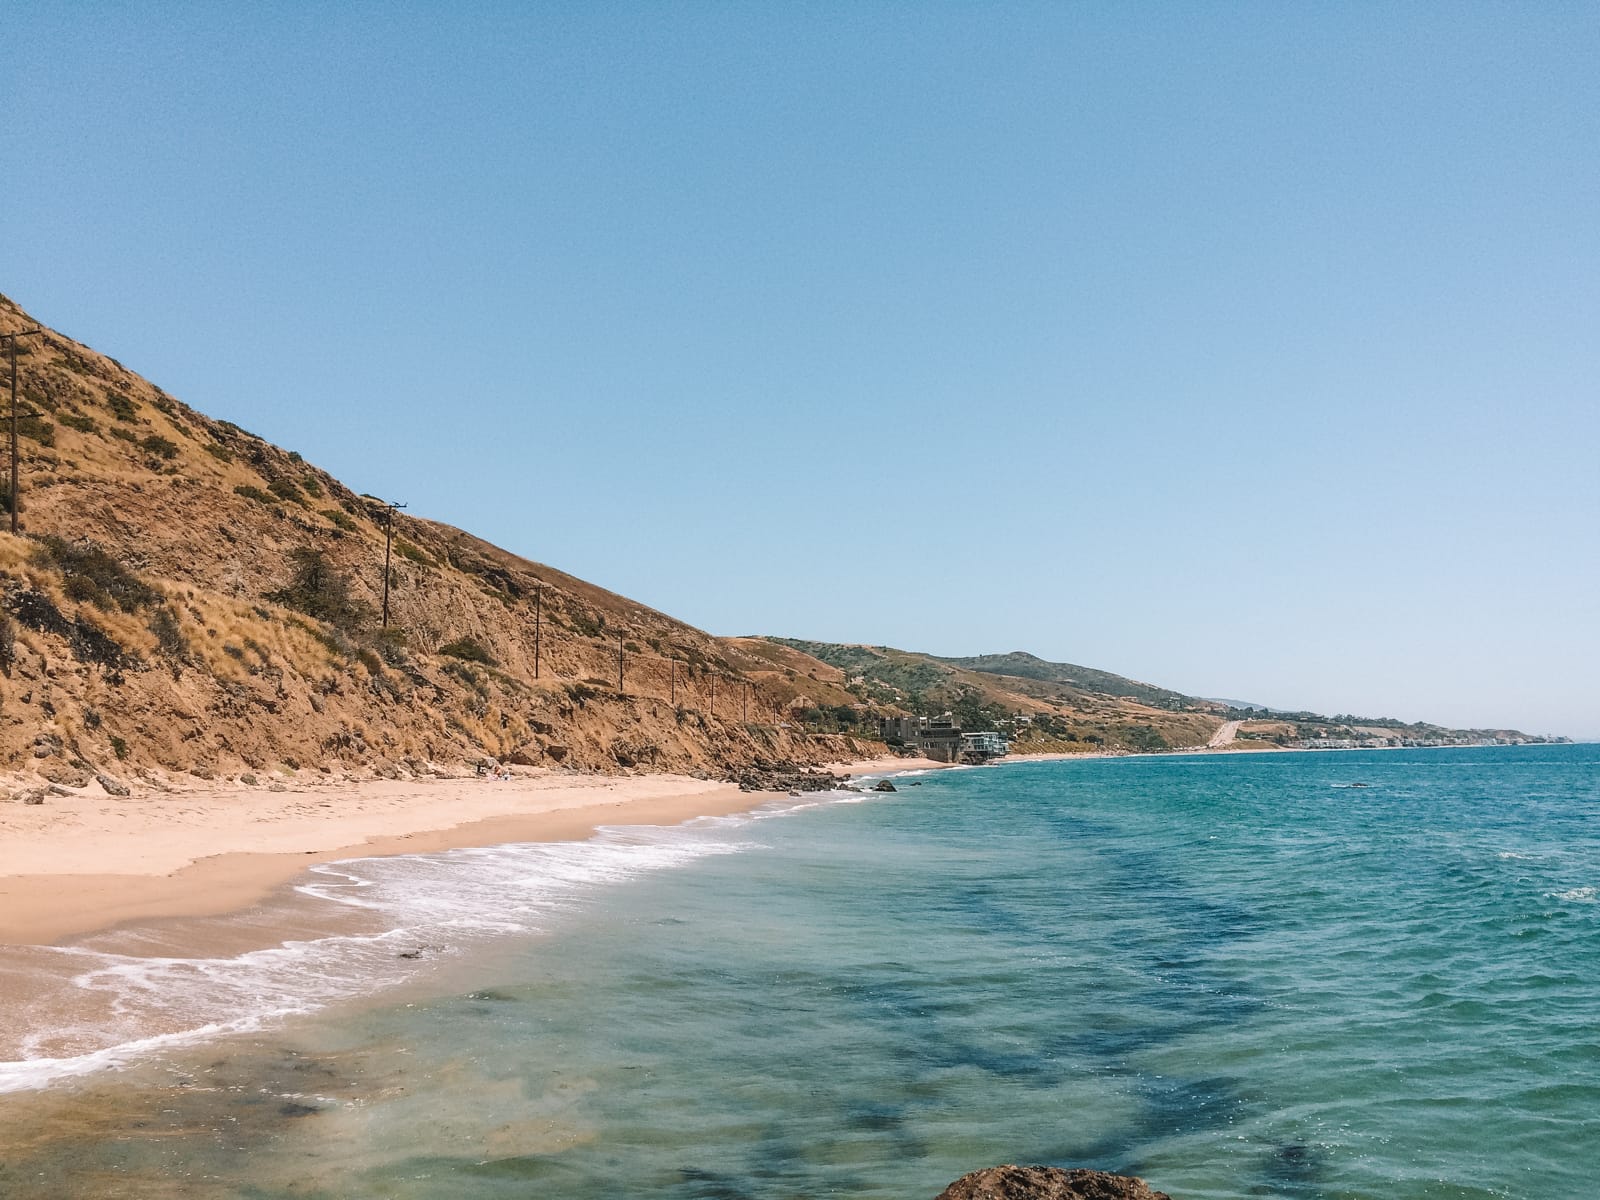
90	862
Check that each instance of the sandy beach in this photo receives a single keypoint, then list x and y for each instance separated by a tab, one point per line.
89	861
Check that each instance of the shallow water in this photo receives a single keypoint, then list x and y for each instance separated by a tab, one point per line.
1236	976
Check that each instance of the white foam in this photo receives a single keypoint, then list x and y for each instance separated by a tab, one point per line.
1577	895
441	903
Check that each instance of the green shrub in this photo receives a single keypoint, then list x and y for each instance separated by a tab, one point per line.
119	747
250	492
406	550
339	518
90	574
81	423
123	408
312	486
317	589
468	650
38	429
123	434
285	489
160	447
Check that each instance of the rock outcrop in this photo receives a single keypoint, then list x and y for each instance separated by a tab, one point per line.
1048	1183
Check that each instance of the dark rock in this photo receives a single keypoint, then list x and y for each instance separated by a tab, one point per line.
522	758
1048	1183
33	795
67	776
556	752
785	779
883	785
112	785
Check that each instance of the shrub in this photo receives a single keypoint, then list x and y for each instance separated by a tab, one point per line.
250	492
312	486
81	423
294	456
468	650
219	452
38	429
340	518
160	447
93	575
119	747
123	434
285	489
169	633
317	589
123	407
406	550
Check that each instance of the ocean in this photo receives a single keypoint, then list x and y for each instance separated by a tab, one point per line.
1331	975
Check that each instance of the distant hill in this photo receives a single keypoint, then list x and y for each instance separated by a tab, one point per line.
1020	664
1044	705
188	597
1049	706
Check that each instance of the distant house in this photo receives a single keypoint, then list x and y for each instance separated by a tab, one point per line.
980	747
940	741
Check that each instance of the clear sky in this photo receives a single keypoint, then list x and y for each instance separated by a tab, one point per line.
1252	350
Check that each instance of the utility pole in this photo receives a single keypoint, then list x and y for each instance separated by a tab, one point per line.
16	474
621	691
538	613
389	507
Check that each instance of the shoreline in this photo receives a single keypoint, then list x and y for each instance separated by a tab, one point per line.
90	863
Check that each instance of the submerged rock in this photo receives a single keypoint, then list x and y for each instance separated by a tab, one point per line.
1048	1183
883	785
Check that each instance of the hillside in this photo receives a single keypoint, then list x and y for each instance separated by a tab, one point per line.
186	597
1045	706
1048	706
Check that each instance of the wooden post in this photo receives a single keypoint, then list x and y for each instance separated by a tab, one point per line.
538	605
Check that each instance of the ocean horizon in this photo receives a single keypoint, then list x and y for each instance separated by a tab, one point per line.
1331	975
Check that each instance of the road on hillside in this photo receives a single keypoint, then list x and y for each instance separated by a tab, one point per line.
1224	735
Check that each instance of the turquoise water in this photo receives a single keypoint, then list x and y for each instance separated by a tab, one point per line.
1237	976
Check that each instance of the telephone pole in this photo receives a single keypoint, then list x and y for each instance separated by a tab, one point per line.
389	507
538	613
16	474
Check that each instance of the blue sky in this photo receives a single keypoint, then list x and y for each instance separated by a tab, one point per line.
1247	349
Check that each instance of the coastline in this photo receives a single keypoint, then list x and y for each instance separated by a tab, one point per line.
89	862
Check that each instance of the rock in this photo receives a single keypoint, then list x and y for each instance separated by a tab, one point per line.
1048	1183
521	758
556	752
33	795
55	789
883	785
66	776
45	745
785	779
112	785
385	769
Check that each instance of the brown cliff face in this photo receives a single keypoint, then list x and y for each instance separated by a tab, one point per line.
189	597
1048	1183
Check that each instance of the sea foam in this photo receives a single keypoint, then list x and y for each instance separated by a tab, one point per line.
428	908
